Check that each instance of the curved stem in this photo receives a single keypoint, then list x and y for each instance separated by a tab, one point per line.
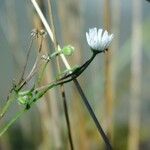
72	76
81	68
40	94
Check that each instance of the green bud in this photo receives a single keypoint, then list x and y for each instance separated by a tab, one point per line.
24	99
23	93
68	50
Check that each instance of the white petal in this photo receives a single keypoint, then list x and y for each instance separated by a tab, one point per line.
109	40
92	32
105	39
98	40
105	36
100	35
111	37
88	38
94	38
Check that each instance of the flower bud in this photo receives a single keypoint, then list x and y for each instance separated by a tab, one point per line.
68	50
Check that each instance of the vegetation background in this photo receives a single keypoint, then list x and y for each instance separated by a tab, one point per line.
116	84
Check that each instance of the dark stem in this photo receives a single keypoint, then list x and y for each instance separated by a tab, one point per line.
79	70
61	87
85	100
100	129
67	119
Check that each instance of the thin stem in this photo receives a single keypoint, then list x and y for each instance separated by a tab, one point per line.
18	115
34	68
26	62
49	31
62	89
42	72
11	98
81	68
56	83
100	129
45	23
71	76
67	120
13	93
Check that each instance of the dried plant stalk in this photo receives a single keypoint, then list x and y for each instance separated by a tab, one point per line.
50	103
136	71
62	89
108	75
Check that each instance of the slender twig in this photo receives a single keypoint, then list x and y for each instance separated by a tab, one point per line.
67	120
42	72
34	68
85	100
38	94
26	61
45	23
62	89
13	93
100	129
18	115
80	69
11	98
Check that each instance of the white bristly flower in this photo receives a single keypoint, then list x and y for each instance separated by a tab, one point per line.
98	40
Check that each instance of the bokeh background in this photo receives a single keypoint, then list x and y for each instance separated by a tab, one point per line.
116	83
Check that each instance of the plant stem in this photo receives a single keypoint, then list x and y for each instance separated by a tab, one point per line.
18	115
26	62
102	133
80	69
11	98
45	23
42	72
108	86
62	89
67	119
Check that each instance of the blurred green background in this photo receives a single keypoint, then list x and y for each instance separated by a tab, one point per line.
123	110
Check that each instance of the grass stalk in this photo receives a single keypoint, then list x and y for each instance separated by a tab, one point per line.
108	94
62	56
49	113
18	115
62	89
11	98
136	75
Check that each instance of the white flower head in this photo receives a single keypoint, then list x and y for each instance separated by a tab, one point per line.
98	40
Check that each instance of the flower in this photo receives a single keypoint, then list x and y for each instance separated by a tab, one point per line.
98	40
